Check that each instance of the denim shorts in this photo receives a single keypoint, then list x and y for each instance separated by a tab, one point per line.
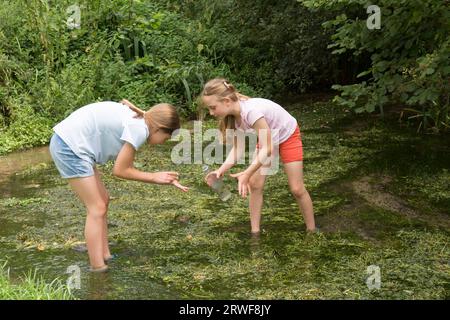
67	162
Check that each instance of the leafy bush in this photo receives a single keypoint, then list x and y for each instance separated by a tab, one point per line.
272	45
123	49
164	51
27	129
410	56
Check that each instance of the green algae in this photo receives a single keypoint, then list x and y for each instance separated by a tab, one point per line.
192	245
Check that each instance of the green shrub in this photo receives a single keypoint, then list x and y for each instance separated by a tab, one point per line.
137	50
410	57
27	129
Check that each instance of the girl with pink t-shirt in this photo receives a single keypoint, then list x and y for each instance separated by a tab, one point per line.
276	129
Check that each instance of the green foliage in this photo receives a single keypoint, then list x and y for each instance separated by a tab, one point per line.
164	51
272	45
27	129
31	287
14	202
410	57
123	49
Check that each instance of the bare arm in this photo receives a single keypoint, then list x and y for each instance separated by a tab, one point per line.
265	146
263	155
124	169
236	153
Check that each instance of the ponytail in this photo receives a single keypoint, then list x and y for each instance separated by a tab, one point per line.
162	116
139	112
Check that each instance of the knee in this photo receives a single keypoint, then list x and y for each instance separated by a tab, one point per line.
98	210
298	191
256	186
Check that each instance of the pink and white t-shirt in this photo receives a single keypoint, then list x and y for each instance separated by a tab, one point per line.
282	125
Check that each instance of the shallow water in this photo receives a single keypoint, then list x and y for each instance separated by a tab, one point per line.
173	245
16	162
119	283
36	178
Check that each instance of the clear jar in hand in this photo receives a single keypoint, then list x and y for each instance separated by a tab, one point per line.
217	184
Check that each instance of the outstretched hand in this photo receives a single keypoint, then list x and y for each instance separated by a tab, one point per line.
179	186
243	183
165	177
168	178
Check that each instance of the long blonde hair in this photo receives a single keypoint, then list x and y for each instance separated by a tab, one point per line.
162	116
222	88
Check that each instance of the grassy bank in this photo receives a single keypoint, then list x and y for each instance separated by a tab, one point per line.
30	287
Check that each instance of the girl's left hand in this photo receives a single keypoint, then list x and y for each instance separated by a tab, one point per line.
243	183
179	186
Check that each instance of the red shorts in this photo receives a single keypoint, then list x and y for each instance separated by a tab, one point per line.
292	149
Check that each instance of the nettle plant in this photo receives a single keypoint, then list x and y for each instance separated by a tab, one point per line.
409	57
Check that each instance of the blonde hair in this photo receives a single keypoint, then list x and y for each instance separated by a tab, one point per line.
162	116
222	88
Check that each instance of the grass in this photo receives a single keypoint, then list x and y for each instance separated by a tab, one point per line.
198	247
31	287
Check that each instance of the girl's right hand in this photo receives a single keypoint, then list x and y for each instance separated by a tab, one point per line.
168	178
165	177
179	186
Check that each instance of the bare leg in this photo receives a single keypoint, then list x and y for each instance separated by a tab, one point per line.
294	171
256	200
105	197
90	194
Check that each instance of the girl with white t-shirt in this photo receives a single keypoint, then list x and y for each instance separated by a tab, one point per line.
276	130
104	131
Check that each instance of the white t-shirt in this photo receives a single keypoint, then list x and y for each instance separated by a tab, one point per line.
98	131
282	125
